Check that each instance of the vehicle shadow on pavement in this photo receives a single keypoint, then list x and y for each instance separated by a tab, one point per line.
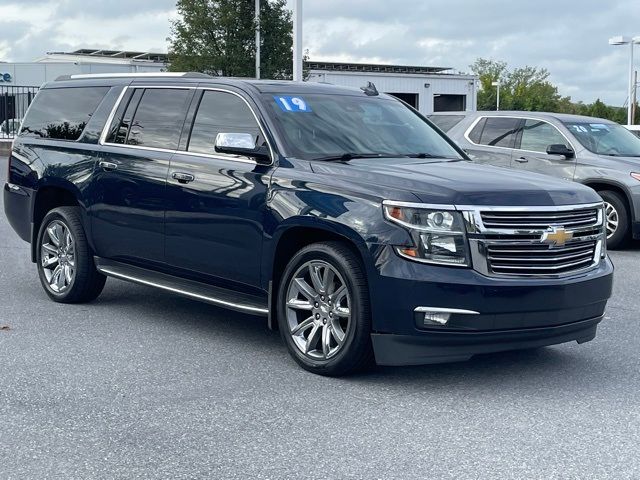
546	366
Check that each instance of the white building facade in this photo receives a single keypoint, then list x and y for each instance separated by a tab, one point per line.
53	65
429	89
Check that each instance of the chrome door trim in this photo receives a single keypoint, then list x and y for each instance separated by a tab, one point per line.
520	117
232	158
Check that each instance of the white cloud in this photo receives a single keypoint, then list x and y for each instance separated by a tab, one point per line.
567	38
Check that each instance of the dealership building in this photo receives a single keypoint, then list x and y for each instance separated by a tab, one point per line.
429	89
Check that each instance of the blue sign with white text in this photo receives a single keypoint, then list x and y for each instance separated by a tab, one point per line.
291	104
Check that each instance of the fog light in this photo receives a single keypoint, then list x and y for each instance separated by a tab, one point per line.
426	317
436	318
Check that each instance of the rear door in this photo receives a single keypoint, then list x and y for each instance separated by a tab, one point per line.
531	153
216	203
129	184
492	139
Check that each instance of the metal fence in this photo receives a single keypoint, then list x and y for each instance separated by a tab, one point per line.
14	102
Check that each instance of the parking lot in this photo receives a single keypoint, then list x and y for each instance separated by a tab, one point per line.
143	384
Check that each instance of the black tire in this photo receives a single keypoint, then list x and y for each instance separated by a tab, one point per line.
86	283
355	352
622	234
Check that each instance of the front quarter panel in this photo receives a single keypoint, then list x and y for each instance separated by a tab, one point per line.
300	197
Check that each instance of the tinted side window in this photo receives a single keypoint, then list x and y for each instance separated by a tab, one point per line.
538	135
220	112
62	113
158	120
119	128
500	132
476	133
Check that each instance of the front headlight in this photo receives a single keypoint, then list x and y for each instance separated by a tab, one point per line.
439	236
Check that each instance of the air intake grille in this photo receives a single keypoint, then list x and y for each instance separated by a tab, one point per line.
540	259
530	242
540	220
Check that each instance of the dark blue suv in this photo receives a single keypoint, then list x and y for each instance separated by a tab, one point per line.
359	230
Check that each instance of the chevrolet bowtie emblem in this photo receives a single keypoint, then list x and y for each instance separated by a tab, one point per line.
556	237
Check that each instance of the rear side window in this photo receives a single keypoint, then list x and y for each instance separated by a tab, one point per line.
158	118
496	132
220	112
62	113
476	132
446	122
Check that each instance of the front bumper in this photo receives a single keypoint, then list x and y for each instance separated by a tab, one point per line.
449	346
512	313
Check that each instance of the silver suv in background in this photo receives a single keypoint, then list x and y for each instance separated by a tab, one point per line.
595	152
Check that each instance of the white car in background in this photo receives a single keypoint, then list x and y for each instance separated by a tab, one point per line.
635	129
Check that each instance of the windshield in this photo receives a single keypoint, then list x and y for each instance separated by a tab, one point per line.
605	138
321	126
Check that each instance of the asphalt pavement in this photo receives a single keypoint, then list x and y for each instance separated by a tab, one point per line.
144	384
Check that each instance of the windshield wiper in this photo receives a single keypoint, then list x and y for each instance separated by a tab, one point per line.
427	155
345	157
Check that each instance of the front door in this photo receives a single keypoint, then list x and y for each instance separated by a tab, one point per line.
130	178
216	202
531	154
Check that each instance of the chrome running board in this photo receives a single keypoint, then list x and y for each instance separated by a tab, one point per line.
218	296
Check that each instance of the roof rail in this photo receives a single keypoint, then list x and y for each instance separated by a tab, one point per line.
134	75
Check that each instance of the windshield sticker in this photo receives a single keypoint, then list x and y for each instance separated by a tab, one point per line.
291	104
599	126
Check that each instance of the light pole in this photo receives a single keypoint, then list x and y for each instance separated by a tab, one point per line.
297	41
257	19
622	40
497	84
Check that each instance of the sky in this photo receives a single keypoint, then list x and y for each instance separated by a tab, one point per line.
567	37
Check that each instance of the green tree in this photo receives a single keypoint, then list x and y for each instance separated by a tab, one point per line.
218	37
488	71
529	89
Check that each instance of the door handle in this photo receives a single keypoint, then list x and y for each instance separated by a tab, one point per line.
522	160
107	165
183	177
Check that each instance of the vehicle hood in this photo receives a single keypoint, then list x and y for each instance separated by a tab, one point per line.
632	164
461	182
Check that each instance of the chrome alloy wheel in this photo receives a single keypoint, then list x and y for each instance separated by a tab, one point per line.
611	218
318	310
57	256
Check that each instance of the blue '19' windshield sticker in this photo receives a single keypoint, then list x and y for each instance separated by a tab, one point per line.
291	104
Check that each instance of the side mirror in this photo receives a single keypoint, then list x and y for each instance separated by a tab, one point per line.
243	144
560	149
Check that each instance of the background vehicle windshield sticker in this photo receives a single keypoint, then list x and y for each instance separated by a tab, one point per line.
291	104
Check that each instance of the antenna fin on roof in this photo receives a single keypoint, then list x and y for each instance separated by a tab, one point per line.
370	89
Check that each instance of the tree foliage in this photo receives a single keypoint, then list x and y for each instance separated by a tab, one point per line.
218	37
529	89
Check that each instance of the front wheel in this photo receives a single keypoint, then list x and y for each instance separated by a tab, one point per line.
323	310
616	218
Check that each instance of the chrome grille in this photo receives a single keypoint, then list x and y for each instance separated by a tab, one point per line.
540	259
536	220
508	241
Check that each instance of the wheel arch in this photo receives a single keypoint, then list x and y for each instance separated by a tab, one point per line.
292	237
48	197
599	185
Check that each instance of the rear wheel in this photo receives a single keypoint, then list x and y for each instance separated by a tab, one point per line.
616	218
65	263
324	316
